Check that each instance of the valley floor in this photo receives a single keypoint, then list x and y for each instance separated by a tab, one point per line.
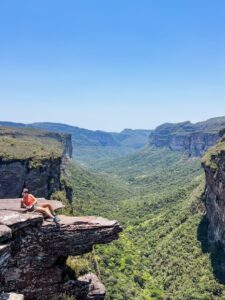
156	194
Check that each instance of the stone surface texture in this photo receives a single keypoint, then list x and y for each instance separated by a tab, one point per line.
42	177
214	198
193	139
194	144
96	288
11	296
42	180
33	253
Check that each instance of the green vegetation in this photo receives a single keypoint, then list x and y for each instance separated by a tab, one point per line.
209	126
91	155
209	159
93	146
94	191
156	196
21	143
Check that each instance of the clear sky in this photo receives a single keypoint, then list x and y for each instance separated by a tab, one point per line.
111	64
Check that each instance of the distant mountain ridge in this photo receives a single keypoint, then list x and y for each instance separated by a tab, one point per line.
86	137
193	139
90	146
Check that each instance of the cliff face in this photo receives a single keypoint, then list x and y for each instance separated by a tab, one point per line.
65	140
193	139
33	253
194	144
31	158
91	146
214	165
42	179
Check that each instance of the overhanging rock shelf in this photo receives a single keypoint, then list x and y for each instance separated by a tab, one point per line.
33	252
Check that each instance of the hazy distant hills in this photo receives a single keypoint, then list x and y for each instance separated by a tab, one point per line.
135	138
84	137
90	146
209	126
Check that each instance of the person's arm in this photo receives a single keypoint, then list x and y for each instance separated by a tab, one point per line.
23	205
35	199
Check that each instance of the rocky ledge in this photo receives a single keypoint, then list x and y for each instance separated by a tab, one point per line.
214	165
33	252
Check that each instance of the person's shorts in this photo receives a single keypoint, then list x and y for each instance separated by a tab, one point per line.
33	208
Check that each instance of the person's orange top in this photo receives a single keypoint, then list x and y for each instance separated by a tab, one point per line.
29	199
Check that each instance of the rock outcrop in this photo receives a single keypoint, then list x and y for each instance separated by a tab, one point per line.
11	296
33	253
193	139
214	165
32	158
42	179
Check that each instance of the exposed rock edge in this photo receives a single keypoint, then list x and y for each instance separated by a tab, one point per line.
33	253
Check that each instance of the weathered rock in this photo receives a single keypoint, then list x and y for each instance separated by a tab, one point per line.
5	233
193	139
214	166
96	288
33	262
5	252
37	167
16	220
11	296
42	179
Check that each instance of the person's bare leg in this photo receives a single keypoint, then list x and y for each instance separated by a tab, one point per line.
49	206
44	211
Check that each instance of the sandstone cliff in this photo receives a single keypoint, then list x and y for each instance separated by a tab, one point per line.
31	158
214	165
193	139
33	252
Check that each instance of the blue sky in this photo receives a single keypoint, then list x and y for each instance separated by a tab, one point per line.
111	64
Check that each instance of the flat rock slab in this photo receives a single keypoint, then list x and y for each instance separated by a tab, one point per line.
16	220
14	204
85	222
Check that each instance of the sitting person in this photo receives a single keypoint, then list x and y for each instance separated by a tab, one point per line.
31	203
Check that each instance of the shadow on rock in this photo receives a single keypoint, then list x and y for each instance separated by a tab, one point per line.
217	251
202	234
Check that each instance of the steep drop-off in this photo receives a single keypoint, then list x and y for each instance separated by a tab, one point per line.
33	253
214	166
31	158
161	253
92	146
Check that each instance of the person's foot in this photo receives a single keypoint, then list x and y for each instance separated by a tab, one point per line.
56	219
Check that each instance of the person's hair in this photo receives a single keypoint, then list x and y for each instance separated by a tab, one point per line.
25	191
